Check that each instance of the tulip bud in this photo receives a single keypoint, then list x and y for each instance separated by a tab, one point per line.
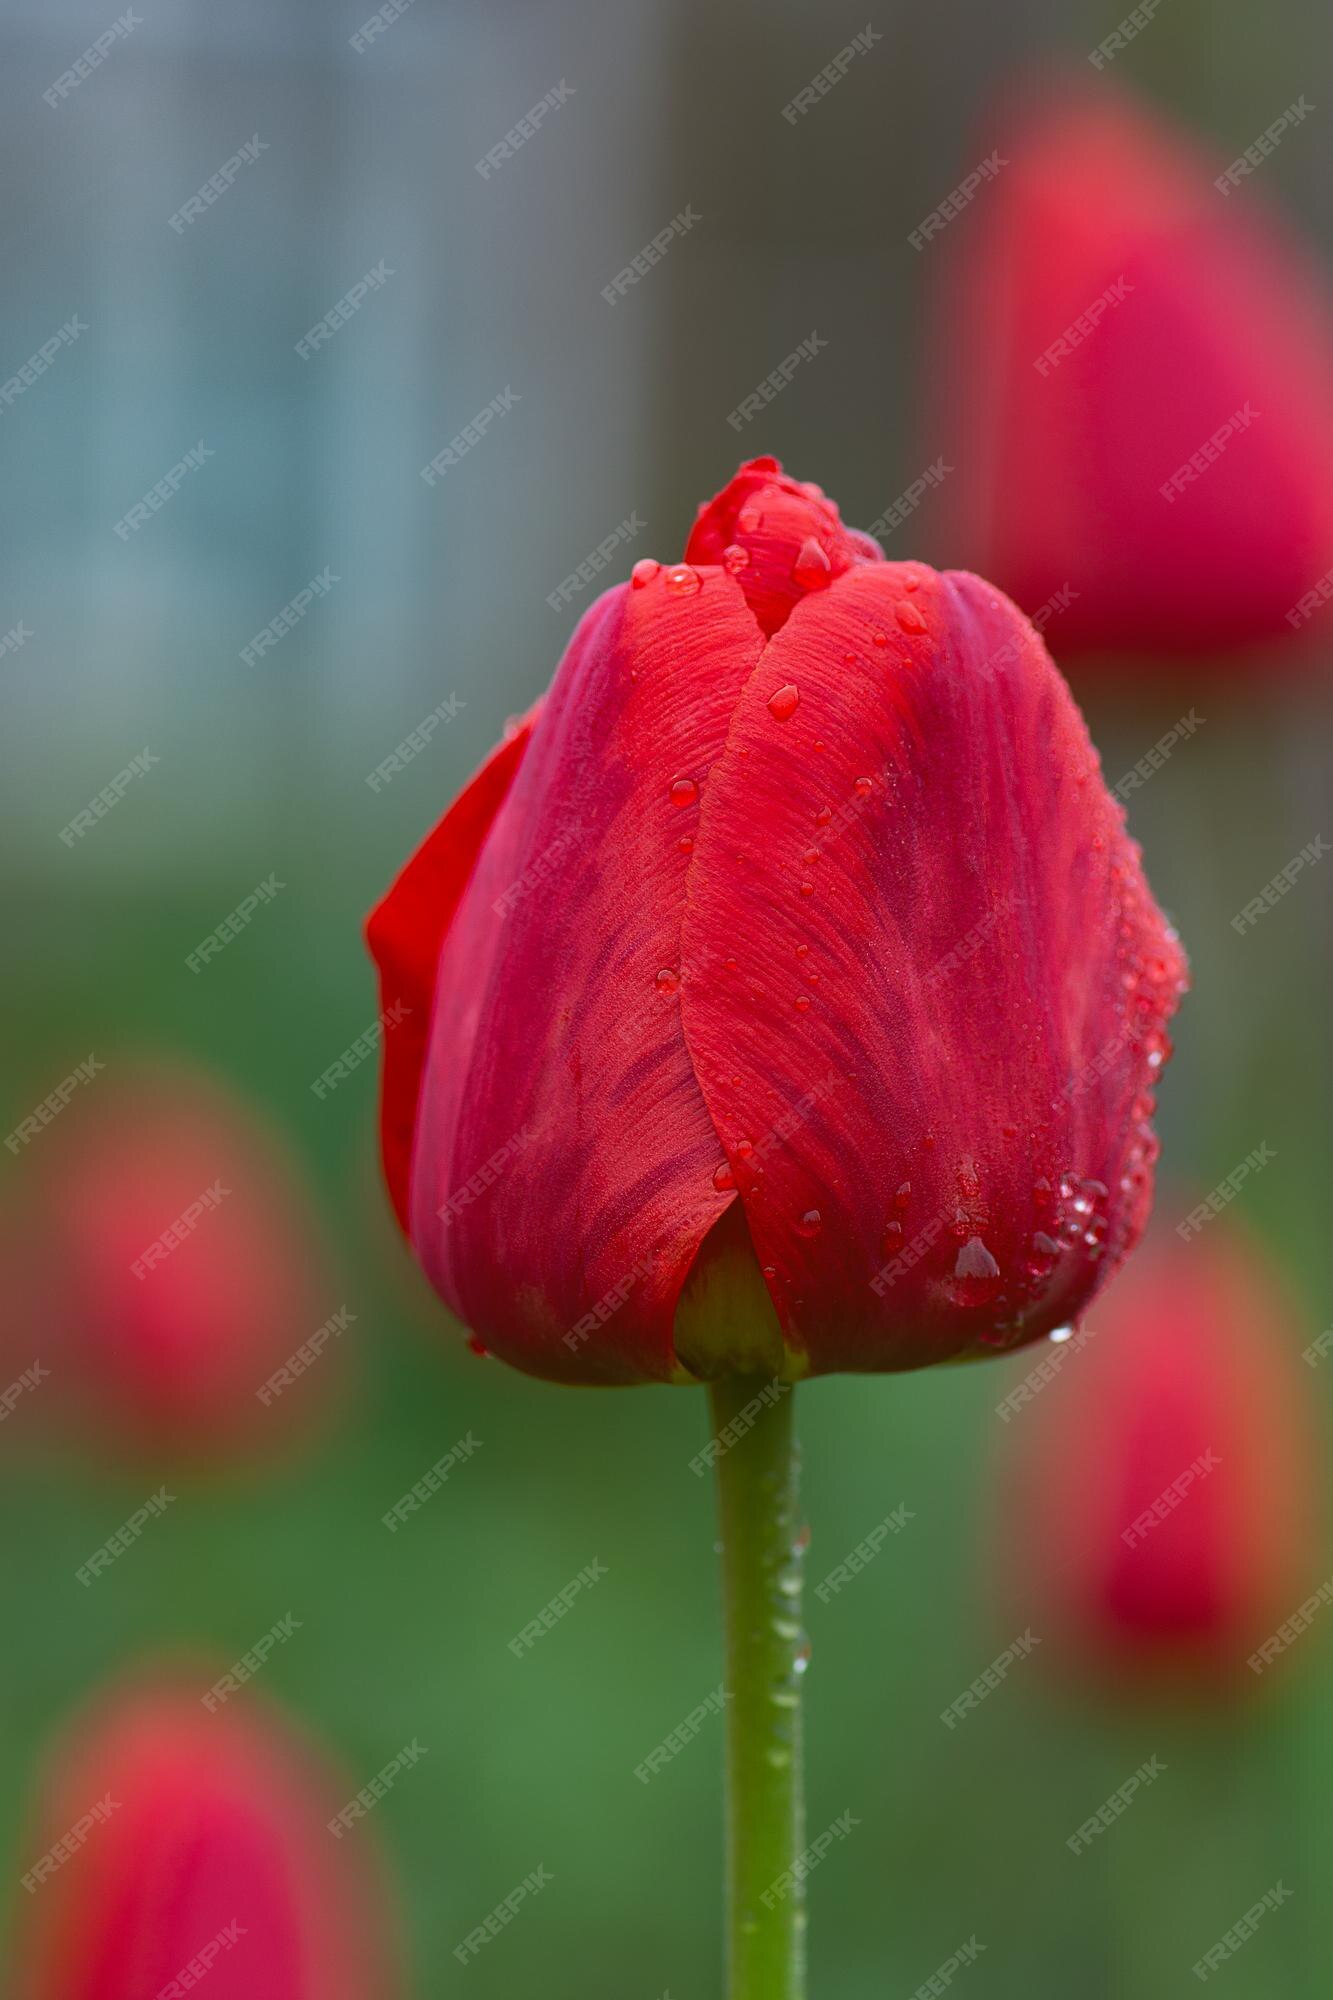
1161	1492
176	1268
174	1844
801	894
1131	379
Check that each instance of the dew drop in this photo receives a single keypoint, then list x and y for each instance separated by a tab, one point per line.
802	1003
684	792
976	1274
807	888
812	569
743	1148
750	520
1062	1333
810	1223
643	573
881	638
723	1178
823	816
735	559
783	704
903	1196
478	1347
908	617
685	843
667	981
911	583
682	581
863	788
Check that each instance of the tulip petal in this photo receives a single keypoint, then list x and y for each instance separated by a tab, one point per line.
560	1092
922	977
405	932
784	535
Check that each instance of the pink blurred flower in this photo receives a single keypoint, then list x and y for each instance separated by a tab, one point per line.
1133	377
173	1844
175	1263
1161	1503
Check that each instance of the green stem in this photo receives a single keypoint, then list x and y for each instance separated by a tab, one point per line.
756	1460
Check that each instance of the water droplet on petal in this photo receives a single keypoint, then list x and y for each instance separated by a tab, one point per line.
735	559
682	581
667	981
908	617
685	843
750	520
812	569
881	638
684	792
479	1347
783	705
903	1196
863	788
723	1178
911	583
823	816
810	1223
802	950
976	1273
1062	1333
807	888
643	572
802	1003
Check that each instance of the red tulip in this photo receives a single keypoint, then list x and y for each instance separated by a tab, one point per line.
177	1262
177	1847
800	891
1134	385
1164	1482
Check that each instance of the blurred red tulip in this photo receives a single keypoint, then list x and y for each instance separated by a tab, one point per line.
176	1263
1133	380
800	890
1162	1517
174	1844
